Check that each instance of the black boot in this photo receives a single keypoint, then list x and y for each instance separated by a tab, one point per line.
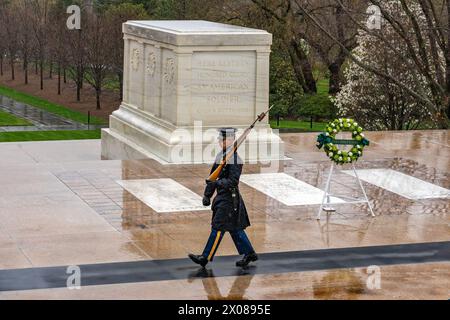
246	260
201	260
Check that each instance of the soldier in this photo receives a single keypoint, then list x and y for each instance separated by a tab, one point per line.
229	212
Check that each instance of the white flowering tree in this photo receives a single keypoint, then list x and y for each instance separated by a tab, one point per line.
375	101
413	37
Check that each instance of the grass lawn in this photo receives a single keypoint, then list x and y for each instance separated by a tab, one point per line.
7	119
48	106
310	102
49	135
299	125
323	86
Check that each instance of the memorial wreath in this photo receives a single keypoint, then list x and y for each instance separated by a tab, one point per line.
328	141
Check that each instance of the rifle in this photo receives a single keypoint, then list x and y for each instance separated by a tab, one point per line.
213	176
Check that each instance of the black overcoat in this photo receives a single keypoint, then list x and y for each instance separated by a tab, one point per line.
229	214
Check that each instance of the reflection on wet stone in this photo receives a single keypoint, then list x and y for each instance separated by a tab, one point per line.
339	284
212	289
172	235
127	213
134	231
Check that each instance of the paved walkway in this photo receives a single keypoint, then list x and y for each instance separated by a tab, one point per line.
268	263
42	120
60	205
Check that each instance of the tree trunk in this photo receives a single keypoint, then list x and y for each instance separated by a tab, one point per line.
50	73
448	111
335	73
59	78
120	76
41	66
302	68
334	79
36	66
298	71
97	96
81	76
78	92
13	76
79	83
446	105
25	67
443	119
1	64
65	78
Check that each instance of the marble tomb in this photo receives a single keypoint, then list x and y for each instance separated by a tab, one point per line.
182	81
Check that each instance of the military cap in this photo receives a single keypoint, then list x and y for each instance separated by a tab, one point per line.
227	132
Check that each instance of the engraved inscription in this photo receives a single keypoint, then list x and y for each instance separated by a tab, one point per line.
223	82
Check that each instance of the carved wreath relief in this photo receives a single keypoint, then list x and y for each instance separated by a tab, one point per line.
151	64
169	70
135	55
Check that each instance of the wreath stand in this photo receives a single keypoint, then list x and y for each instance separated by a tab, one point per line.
326	205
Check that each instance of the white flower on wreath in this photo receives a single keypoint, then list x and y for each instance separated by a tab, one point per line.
339	152
327	134
330	154
350	153
340	158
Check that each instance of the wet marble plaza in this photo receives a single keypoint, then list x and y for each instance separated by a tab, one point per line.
61	205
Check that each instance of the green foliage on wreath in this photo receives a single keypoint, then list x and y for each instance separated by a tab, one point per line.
328	140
